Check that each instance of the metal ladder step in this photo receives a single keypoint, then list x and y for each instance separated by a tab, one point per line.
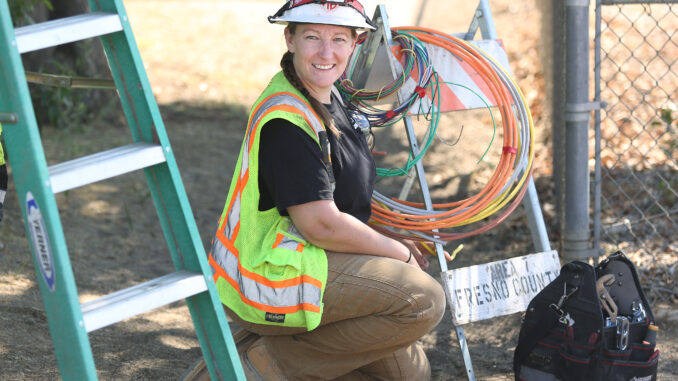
143	297
65	30
104	165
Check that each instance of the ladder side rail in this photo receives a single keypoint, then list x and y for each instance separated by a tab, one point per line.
423	185
535	219
42	222
175	215
206	309
133	87
482	19
381	19
487	29
219	349
143	116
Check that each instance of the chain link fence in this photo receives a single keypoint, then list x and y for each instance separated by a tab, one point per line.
636	138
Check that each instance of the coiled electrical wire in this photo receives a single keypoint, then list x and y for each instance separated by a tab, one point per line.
507	185
415	58
416	64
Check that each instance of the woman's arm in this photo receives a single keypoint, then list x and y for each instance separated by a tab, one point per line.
325	226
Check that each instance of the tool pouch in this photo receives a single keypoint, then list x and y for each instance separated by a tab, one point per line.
567	335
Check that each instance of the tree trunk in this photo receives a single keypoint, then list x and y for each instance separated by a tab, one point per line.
81	59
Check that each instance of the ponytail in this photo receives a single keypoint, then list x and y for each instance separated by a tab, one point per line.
287	65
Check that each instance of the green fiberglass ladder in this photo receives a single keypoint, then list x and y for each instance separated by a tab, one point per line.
36	184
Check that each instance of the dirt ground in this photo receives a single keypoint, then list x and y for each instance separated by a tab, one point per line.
206	61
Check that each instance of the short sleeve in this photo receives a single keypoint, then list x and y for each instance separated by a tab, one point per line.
291	169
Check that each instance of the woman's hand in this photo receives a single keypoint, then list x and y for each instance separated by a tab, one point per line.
418	258
418	253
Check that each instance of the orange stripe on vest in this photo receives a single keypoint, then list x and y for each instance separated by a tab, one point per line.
220	273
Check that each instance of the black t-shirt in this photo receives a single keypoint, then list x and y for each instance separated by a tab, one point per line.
291	169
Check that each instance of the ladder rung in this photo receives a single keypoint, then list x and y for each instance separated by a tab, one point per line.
104	165
65	30
143	297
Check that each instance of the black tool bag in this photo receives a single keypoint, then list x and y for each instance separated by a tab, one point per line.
566	333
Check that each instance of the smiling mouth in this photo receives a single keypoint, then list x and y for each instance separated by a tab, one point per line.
323	67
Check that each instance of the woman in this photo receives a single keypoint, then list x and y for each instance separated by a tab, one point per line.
325	296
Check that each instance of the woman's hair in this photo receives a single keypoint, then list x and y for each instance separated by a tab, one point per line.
287	64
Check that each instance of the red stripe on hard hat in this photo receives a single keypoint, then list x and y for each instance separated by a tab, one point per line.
348	13
351	3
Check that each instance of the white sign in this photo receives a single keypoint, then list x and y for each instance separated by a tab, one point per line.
498	288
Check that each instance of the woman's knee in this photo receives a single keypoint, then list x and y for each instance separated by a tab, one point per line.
428	300
437	300
363	285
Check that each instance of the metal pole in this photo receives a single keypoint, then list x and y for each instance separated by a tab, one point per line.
577	114
557	43
597	177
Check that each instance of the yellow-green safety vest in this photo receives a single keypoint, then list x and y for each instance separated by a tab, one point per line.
264	269
2	152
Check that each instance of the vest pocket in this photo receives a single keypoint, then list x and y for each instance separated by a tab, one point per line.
281	264
280	253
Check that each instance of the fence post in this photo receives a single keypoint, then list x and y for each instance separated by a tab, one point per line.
577	113
552	49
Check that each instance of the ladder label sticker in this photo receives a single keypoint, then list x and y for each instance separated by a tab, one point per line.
498	288
41	247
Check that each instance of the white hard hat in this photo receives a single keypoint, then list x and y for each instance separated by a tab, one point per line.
348	13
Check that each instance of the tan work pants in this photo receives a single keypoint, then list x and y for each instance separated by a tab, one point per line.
375	310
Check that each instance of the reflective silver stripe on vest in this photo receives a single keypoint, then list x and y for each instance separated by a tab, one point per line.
288	243
293	231
260	293
233	217
276	100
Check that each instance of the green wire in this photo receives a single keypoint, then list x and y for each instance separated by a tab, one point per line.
434	112
409	65
412	161
435	119
494	123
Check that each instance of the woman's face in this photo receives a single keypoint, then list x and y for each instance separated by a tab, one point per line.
321	53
